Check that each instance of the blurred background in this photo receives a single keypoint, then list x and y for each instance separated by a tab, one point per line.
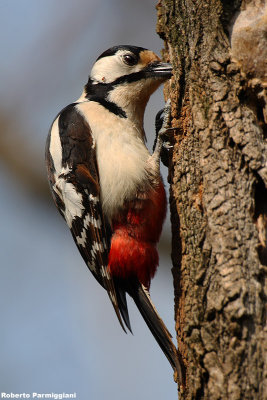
59	331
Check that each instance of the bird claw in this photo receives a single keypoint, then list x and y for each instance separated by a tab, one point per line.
165	117
163	129
164	133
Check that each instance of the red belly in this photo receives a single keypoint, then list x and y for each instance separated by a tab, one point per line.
133	245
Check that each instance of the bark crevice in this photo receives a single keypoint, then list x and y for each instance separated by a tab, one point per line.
218	178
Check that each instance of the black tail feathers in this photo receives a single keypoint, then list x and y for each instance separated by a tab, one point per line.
122	303
157	327
148	311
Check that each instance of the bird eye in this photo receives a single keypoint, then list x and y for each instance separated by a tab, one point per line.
129	59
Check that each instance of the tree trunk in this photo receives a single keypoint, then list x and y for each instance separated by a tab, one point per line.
218	193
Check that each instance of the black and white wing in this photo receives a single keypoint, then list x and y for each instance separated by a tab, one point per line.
74	182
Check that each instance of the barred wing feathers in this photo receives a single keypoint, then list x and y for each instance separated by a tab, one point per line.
74	182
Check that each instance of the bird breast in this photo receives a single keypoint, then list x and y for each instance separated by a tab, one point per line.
122	157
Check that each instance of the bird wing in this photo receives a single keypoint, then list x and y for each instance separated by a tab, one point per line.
74	182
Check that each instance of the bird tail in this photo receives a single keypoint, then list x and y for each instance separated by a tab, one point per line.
157	327
122	303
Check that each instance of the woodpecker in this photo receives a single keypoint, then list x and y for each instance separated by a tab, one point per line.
106	184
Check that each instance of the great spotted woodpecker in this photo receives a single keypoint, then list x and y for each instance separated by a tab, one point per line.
106	184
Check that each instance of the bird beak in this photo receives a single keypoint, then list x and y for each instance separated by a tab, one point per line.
159	69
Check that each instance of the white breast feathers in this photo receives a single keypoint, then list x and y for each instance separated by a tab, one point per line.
121	156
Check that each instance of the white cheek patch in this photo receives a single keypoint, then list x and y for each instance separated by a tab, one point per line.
108	69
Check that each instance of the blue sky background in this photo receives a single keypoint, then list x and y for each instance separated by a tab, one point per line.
59	333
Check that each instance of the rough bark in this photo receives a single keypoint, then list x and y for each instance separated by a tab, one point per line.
218	193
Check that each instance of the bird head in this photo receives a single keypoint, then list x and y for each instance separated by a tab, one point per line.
127	76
